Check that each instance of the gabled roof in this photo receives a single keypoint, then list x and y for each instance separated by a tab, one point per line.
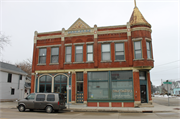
137	18
79	24
11	68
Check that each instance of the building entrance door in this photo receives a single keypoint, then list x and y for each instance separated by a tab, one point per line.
143	94
79	88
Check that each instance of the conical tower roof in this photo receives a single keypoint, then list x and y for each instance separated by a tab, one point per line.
137	18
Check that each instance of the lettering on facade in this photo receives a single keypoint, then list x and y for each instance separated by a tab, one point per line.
122	91
79	31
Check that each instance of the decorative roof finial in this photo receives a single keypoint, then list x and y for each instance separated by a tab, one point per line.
135	3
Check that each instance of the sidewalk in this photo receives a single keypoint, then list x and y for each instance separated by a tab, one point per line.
83	108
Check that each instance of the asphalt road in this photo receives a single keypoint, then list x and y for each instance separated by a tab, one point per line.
15	114
164	101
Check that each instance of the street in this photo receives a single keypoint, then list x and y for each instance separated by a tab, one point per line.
164	101
15	114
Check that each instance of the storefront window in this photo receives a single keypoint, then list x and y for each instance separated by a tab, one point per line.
98	90
98	76
45	83
121	75
110	85
60	83
142	75
122	90
98	85
121	85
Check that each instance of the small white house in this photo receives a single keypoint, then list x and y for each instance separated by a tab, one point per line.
12	82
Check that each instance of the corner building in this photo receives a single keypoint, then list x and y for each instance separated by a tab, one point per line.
101	66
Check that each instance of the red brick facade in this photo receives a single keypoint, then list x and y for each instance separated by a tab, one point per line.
126	34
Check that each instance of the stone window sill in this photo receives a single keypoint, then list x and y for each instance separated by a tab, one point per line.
78	62
150	59
119	60
42	64
67	62
53	63
138	59
107	61
89	61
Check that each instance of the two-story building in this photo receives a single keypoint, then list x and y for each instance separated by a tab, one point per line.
105	66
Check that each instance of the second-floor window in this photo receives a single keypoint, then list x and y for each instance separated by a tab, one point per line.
137	50
148	46
119	51
42	55
54	55
106	53
89	52
79	54
9	78
68	54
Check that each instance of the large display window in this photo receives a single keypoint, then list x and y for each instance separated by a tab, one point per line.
110	85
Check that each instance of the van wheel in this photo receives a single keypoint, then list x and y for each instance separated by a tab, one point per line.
49	109
21	108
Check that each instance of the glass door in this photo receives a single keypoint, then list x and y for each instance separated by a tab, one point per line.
79	88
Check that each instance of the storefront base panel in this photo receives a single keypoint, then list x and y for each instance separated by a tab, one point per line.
110	104
116	104
103	104
128	104
92	104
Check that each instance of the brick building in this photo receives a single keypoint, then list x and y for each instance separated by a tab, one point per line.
102	66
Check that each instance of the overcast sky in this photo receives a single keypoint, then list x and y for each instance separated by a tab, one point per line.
20	18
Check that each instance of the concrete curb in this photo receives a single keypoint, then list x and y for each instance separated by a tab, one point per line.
114	111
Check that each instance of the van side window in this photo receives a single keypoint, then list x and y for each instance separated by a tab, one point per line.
40	97
31	96
50	97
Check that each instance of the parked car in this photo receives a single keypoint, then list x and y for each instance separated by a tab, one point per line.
42	101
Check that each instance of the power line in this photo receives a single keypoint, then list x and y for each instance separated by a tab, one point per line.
167	63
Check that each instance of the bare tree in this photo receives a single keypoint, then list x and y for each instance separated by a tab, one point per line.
26	66
4	40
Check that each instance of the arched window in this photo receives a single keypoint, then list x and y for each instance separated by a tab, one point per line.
45	83
60	83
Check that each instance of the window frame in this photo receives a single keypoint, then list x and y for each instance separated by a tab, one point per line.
138	50
54	55
79	53
42	56
89	52
12	91
105	52
119	51
149	50
68	54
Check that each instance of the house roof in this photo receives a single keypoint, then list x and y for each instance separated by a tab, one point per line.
11	68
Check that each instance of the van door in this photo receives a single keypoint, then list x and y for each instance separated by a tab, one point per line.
39	102
30	101
61	101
